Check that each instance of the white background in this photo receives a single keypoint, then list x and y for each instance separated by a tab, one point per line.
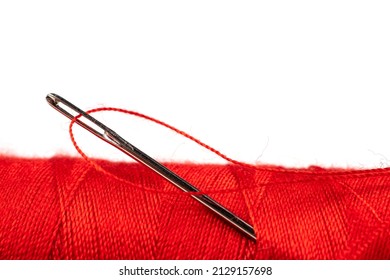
295	83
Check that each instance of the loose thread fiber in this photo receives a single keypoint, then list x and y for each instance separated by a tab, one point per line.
69	208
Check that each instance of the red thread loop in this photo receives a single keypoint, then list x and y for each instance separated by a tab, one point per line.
178	131
314	174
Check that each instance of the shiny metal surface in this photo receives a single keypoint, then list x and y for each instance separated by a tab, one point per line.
111	137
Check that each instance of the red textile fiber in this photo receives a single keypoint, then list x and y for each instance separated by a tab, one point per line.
70	208
63	208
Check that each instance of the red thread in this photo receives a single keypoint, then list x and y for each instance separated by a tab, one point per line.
312	173
316	171
98	167
60	208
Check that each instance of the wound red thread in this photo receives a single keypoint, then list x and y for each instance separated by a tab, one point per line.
54	208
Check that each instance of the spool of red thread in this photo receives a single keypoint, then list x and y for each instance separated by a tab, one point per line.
66	208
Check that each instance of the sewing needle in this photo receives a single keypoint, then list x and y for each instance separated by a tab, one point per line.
111	137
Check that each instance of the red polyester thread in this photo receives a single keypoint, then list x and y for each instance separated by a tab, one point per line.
61	208
180	132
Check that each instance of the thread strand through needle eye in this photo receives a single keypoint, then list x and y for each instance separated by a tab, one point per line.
108	135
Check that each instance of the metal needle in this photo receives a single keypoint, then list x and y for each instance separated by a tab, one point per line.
111	137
